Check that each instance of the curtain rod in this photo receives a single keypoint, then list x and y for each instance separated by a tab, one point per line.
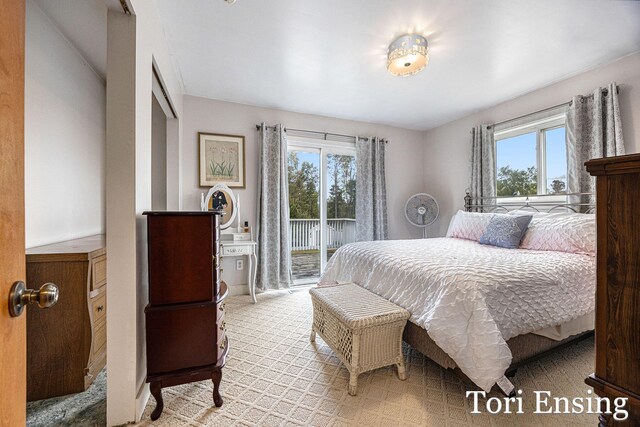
325	134
564	104
605	92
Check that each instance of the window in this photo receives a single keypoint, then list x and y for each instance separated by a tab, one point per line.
531	157
322	205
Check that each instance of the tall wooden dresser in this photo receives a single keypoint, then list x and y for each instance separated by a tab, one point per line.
617	372
67	344
185	330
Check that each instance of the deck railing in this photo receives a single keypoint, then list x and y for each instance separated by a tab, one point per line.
304	234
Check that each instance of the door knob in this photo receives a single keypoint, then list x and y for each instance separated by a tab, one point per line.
20	296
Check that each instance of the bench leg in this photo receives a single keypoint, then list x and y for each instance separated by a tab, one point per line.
353	384
402	372
355	363
312	338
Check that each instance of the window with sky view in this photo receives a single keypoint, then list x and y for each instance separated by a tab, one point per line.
518	168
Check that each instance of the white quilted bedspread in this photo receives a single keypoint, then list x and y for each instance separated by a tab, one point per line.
471	298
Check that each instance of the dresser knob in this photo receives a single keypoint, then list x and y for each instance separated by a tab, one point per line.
100	308
221	307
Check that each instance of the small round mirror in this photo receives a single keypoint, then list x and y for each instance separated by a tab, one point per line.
220	197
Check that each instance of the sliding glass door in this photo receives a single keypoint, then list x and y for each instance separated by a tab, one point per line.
340	201
322	186
304	213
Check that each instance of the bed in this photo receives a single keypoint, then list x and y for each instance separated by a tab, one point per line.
480	309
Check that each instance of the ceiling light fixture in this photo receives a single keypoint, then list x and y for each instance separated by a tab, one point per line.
407	55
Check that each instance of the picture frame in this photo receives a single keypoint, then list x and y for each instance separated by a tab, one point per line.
221	159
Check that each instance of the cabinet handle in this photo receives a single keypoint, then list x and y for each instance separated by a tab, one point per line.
100	308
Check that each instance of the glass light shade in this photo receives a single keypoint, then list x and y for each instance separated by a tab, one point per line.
407	55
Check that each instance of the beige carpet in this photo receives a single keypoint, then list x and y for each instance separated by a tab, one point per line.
276	377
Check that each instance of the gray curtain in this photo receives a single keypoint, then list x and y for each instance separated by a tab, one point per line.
371	191
272	228
594	130
483	164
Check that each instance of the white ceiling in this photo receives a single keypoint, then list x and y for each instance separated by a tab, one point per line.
328	57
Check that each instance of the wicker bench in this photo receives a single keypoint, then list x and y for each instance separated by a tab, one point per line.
364	329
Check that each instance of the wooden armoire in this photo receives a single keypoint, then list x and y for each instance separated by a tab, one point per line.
185	330
617	372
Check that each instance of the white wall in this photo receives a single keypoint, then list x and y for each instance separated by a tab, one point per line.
158	156
64	137
121	220
447	147
135	44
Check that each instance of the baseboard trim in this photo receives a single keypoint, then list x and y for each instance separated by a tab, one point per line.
240	289
141	400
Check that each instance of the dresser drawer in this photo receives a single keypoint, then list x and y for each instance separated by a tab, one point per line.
179	259
236	250
241	237
99	338
99	307
180	337
98	272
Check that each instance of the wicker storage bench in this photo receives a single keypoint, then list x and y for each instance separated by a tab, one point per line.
364	329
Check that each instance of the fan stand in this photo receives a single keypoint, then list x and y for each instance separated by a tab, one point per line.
424	232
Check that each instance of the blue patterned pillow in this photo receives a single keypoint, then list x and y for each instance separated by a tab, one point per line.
506	231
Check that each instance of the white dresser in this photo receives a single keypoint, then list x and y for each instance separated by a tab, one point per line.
240	248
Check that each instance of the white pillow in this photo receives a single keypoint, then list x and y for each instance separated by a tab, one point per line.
468	225
453	220
573	233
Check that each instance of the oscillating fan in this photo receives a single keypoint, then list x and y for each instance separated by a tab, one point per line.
421	210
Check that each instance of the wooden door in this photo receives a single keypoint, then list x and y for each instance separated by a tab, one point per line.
13	394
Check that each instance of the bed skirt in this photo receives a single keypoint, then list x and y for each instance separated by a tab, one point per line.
524	348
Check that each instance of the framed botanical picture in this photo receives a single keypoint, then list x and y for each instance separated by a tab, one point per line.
221	160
